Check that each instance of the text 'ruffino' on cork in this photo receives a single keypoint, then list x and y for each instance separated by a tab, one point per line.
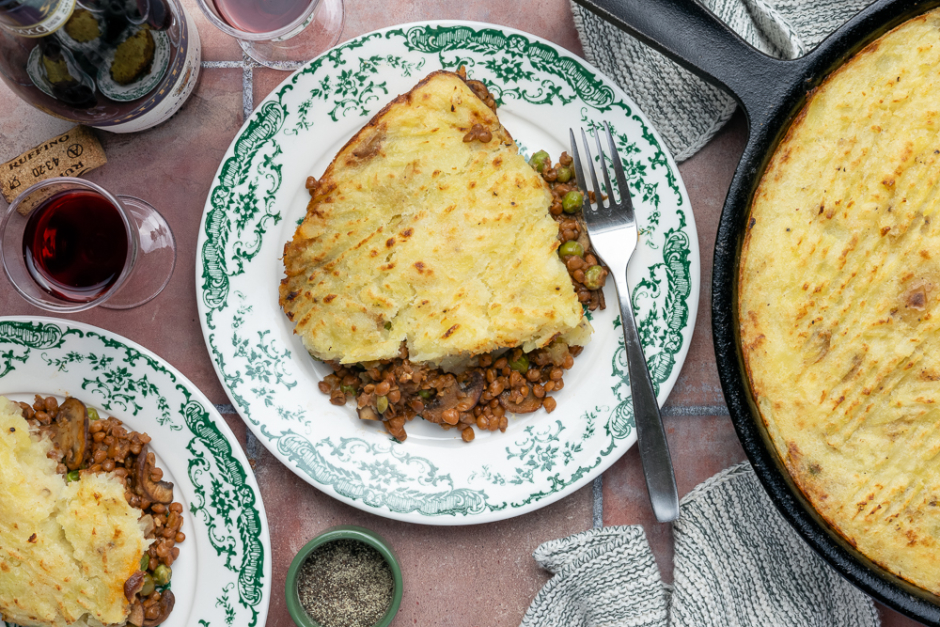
71	154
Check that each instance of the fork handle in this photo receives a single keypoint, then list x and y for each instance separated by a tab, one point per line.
650	433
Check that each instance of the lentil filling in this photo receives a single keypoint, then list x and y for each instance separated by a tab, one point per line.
396	391
86	443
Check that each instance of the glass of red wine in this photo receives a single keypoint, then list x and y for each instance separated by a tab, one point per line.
68	245
279	34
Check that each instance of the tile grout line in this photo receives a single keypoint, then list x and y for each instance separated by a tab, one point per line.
287	66
222	64
671	412
597	513
675	411
252	445
247	87
251	442
247	65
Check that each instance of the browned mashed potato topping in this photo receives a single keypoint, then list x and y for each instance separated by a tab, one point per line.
839	289
395	391
88	450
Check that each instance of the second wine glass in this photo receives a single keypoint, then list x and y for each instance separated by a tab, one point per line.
68	245
279	33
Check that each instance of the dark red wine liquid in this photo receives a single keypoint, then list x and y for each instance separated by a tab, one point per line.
260	16
75	245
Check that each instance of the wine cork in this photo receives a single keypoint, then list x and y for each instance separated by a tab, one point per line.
71	154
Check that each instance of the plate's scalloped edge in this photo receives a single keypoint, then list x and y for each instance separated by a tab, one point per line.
249	521
592	89
229	481
446	501
262	126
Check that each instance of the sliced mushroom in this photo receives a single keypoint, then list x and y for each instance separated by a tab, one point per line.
480	90
462	397
479	133
165	605
71	432
156	491
147	521
137	614
367	413
372	144
583	238
528	405
133	585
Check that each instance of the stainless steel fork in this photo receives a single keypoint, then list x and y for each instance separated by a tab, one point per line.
614	235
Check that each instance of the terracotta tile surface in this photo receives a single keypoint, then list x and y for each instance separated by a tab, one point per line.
170	166
445	569
706	177
461	576
701	446
265	81
550	19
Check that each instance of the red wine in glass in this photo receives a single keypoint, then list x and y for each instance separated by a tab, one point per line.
75	245
260	16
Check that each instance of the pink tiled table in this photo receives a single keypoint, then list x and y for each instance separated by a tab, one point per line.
480	576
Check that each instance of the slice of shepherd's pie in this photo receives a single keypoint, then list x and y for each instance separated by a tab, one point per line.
421	233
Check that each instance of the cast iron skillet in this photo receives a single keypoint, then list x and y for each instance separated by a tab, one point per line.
771	92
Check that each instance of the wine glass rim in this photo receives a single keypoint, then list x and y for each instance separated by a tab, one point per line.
247	36
130	232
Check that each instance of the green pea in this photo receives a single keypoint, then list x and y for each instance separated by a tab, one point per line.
381	403
144	562
425	394
594	278
521	364
571	249
92	413
572	201
388	326
162	575
564	174
538	160
348	389
149	586
72	475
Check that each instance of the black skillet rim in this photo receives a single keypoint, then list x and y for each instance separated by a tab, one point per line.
889	589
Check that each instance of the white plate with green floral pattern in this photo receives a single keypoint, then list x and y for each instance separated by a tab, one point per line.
223	574
258	198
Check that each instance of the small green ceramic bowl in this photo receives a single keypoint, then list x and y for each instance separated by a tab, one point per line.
343	532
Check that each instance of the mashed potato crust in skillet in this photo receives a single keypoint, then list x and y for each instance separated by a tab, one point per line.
839	290
415	235
66	550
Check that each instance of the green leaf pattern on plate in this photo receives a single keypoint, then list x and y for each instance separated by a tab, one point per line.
351	82
118	376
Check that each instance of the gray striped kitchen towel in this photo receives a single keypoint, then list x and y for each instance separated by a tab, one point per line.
737	564
685	110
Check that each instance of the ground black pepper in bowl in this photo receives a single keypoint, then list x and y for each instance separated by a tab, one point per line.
345	583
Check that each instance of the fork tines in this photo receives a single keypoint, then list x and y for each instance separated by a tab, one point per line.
607	191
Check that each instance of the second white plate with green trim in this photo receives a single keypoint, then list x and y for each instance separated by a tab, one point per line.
258	198
223	574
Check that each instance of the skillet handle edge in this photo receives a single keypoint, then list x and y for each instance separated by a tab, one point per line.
696	39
